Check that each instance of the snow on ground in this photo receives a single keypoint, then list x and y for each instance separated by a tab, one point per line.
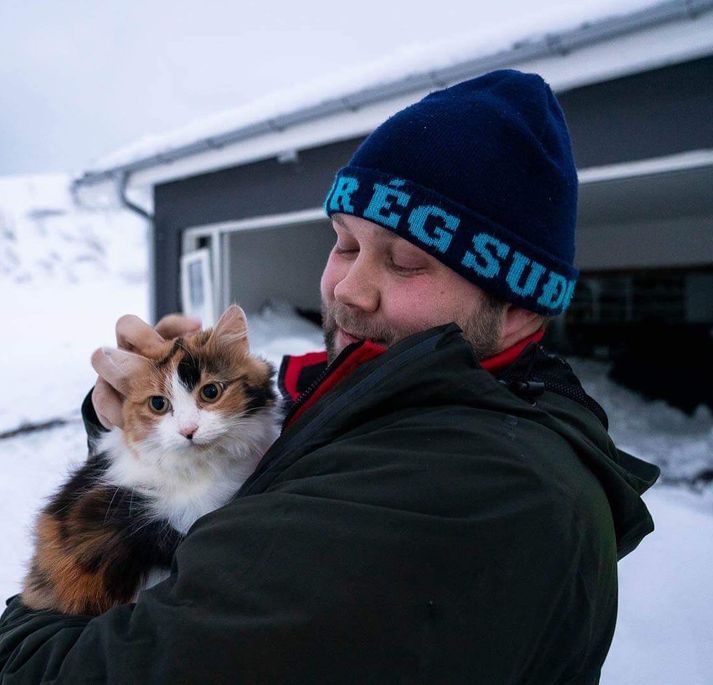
664	634
276	331
46	348
653	430
54	317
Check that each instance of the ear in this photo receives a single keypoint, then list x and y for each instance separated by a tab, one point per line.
121	369
518	323
232	329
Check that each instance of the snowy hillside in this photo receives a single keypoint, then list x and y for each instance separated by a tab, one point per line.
66	275
44	237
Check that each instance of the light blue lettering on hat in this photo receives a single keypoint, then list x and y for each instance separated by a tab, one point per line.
440	236
519	262
554	291
341	198
569	293
383	198
483	261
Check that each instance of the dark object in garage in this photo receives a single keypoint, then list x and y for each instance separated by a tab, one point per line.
669	362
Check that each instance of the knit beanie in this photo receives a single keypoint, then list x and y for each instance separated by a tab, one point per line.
480	176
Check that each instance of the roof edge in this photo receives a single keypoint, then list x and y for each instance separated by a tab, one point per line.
561	44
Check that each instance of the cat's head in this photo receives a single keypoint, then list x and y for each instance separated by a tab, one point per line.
200	394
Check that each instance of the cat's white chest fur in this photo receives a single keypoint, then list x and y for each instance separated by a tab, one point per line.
181	485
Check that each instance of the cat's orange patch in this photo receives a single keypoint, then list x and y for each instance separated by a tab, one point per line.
57	581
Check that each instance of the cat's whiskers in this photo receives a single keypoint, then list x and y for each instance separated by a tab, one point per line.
111	501
146	522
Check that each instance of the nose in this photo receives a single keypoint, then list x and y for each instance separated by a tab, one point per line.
359	287
188	431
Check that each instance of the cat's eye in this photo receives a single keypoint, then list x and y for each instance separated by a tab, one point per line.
210	392
159	404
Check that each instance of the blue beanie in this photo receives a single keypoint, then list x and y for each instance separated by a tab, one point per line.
480	176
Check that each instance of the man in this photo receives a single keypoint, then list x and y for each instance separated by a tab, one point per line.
442	506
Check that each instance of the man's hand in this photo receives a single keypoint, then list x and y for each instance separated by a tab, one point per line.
136	336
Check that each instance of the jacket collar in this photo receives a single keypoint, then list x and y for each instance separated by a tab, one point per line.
299	372
503	359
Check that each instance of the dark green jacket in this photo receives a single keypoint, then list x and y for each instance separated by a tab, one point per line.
421	523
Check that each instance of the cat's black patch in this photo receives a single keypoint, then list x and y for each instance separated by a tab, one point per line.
138	545
82	480
143	547
258	396
128	544
189	371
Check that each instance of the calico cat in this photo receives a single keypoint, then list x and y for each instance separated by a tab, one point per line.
196	422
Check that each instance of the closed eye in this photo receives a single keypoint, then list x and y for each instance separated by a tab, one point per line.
405	269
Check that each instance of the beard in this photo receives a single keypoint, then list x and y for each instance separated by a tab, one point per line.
336	316
482	328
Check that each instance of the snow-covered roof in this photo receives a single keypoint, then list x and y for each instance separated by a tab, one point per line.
412	71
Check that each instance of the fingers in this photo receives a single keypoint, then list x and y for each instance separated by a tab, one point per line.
120	368
117	368
109	370
136	335
107	404
175	325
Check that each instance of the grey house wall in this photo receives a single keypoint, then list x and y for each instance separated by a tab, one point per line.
653	114
266	187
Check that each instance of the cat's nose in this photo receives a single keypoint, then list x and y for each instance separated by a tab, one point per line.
188	431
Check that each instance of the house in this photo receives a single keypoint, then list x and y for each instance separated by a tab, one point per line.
239	197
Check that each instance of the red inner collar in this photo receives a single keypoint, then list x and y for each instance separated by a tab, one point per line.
503	359
369	350
365	352
295	365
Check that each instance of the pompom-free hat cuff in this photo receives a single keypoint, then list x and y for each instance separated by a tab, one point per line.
483	252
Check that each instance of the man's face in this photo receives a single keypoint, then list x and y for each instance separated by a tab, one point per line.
380	287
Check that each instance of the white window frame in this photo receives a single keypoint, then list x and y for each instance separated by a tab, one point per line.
201	257
219	234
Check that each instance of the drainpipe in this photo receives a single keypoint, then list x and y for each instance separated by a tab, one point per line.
121	184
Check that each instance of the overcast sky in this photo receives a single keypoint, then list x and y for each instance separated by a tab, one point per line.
80	78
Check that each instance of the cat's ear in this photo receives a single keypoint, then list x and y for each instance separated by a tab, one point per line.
232	329
121	369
